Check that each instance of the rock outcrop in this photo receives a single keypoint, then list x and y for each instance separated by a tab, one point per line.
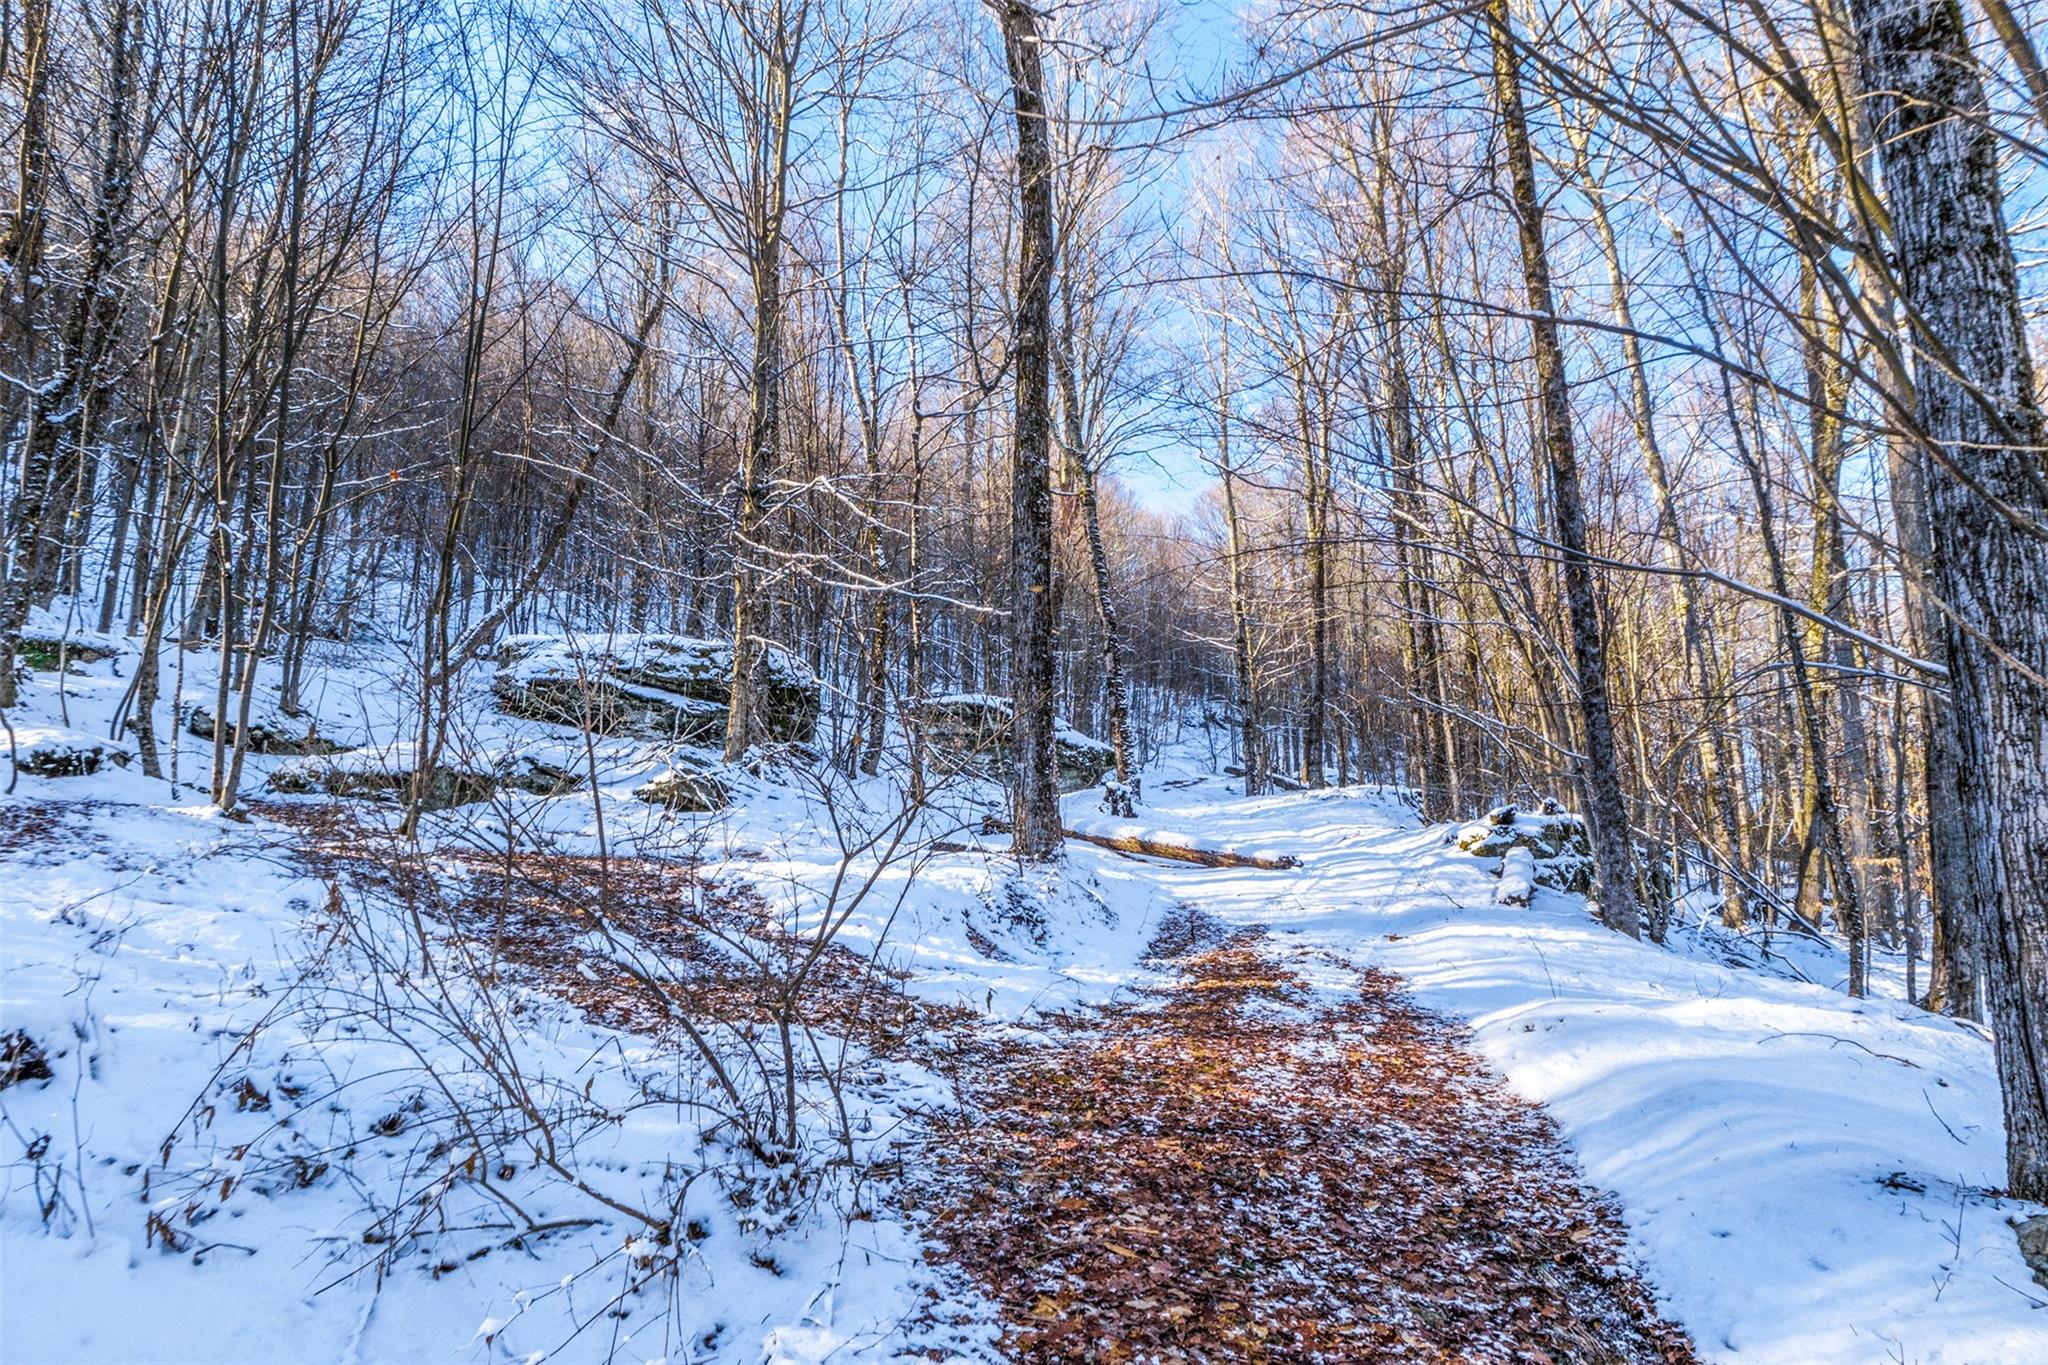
1555	838
387	774
54	751
686	789
541	767
654	687
270	731
2033	1234
47	642
971	732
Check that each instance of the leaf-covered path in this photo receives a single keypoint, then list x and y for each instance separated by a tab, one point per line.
1234	1167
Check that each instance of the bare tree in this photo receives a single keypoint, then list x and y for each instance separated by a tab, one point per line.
1980	410
1600	773
1035	786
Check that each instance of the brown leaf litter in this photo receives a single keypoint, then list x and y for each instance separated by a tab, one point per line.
1234	1171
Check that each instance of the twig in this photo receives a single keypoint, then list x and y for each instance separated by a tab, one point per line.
1902	1061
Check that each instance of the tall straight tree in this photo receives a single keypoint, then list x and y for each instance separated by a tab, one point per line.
1599	764
708	96
1980	414
777	41
1035	784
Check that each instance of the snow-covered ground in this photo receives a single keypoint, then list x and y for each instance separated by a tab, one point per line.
1801	1175
245	1117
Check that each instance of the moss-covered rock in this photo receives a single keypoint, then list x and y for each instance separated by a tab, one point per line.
48	643
971	732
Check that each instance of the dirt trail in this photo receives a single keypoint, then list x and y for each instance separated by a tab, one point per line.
1231	1170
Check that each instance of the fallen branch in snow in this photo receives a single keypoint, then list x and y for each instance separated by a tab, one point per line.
1277	781
1155	848
1205	857
1940	1120
1902	1061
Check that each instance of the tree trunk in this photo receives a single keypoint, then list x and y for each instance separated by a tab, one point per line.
1036	781
1251	712
1714	760
1116	686
1952	973
1606	809
764	426
1980	413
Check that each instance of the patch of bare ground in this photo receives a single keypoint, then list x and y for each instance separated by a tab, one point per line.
46	831
1229	1170
590	930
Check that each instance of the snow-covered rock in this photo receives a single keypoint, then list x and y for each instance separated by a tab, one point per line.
971	730
665	687
46	640
270	730
470	773
1517	877
59	751
388	773
1555	838
686	789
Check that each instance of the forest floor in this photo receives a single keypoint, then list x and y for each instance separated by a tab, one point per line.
1227	1167
1340	1106
1800	1176
1222	1165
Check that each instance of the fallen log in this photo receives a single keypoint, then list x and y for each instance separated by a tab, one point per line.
1153	848
1203	857
1277	781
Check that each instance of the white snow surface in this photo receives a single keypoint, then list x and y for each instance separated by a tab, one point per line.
1747	1122
164	955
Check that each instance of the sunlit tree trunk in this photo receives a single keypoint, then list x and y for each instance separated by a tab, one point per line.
1980	411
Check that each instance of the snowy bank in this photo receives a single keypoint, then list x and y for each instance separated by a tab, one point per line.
1805	1177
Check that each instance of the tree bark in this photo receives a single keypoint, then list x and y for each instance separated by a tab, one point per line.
1035	790
1987	502
1116	686
1599	769
764	425
1251	712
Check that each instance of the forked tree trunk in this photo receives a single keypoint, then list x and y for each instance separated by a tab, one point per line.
1987	503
